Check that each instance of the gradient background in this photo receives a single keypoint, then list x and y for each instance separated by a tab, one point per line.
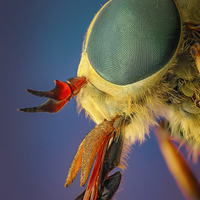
40	41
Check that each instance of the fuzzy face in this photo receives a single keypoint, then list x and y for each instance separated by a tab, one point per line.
172	92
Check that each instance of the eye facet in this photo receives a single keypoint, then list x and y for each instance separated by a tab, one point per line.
131	40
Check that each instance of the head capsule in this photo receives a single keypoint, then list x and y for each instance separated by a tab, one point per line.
130	40
128	47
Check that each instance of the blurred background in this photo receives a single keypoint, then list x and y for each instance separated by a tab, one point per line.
40	41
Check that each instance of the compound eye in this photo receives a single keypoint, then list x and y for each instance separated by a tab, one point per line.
131	39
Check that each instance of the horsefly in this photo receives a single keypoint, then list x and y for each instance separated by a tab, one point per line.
140	68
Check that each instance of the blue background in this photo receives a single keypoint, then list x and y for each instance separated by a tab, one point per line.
40	41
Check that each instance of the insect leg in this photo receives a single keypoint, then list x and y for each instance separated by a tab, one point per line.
184	177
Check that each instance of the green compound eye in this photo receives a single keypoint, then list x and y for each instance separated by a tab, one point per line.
133	39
